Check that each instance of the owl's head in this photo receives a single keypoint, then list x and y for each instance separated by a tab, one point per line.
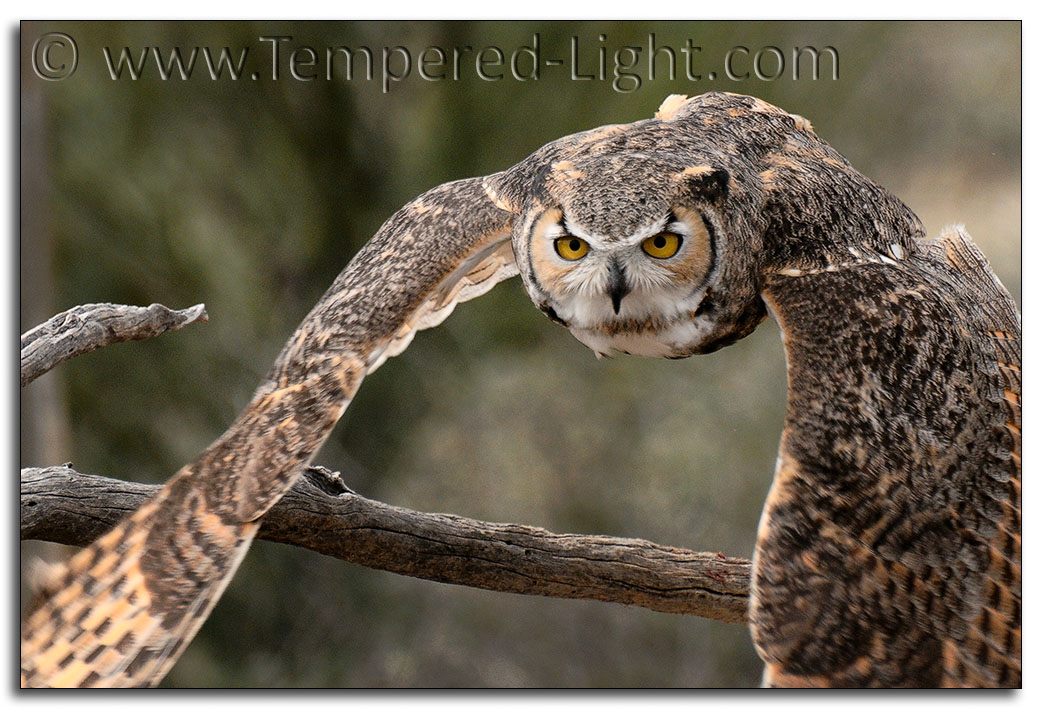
623	268
624	235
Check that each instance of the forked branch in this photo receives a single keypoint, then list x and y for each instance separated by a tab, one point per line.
87	327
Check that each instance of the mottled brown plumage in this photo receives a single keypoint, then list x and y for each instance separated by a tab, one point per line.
889	548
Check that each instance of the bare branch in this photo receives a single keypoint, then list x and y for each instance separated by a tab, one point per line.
87	327
321	514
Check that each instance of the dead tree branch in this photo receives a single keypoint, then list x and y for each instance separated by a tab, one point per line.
321	514
87	327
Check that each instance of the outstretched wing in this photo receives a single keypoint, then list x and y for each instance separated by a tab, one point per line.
889	548
122	610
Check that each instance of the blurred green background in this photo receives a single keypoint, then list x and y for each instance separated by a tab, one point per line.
251	196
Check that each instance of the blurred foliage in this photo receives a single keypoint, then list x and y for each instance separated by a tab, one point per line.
251	196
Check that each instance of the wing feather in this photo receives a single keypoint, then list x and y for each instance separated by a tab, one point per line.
476	276
123	609
888	551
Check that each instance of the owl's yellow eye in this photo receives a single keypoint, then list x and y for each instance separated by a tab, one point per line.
664	245
571	248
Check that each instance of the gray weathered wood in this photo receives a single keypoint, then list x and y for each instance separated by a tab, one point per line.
87	327
321	514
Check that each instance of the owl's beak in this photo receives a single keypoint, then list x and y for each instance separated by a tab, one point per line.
618	288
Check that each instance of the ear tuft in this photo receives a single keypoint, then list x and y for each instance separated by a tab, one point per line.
708	183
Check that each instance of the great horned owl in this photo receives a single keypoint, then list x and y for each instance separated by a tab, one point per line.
889	548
